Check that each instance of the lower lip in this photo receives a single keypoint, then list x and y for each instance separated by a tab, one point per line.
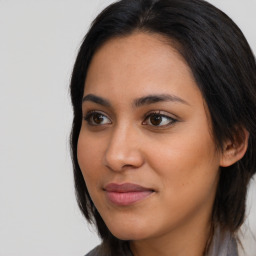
127	198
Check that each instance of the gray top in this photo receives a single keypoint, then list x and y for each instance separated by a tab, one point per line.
94	252
223	244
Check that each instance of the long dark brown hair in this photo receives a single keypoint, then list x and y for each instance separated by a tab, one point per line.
224	68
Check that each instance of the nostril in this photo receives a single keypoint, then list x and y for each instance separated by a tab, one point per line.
129	166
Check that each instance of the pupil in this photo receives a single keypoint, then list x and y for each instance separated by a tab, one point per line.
98	119
156	120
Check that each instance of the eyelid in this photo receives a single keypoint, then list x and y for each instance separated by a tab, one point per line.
162	113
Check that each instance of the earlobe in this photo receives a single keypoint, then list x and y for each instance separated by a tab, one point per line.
235	149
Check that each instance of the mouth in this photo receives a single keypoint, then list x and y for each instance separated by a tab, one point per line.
126	194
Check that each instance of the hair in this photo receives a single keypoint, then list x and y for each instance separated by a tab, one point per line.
224	68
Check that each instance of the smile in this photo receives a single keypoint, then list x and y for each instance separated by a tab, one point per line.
126	194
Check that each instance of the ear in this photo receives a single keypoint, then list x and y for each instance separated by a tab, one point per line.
235	149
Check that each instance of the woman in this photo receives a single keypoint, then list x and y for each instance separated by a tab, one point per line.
163	137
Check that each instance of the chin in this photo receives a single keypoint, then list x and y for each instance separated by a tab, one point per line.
128	236
130	233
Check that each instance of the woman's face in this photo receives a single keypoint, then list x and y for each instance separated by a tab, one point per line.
145	146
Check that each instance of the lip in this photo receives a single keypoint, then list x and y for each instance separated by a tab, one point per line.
126	194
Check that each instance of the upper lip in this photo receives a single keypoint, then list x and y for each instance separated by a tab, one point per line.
125	187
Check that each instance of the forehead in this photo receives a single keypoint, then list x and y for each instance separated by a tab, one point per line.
139	64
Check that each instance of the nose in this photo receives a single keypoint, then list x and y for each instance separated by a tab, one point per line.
124	150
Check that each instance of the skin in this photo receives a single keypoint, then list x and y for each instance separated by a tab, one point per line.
120	143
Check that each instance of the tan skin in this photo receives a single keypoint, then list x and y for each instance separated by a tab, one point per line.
166	146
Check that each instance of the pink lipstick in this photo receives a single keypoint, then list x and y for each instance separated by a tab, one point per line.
126	194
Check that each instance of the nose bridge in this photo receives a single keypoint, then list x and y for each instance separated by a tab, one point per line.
123	149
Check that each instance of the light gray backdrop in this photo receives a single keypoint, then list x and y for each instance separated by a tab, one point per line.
38	44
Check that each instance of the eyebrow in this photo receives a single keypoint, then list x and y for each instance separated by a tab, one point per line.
96	99
146	100
150	99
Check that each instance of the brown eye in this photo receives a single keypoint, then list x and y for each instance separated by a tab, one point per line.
156	120
96	118
159	120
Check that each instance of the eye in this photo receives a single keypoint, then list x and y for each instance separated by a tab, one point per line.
95	118
158	119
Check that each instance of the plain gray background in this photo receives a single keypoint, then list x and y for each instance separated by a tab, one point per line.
38	44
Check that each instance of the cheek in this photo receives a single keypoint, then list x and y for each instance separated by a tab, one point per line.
189	176
187	164
89	157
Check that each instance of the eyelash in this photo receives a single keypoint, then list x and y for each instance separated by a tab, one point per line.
88	118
